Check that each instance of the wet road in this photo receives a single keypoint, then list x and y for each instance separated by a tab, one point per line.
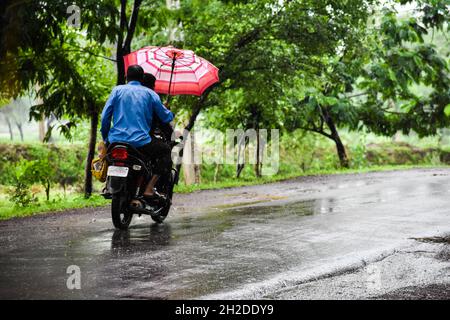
346	236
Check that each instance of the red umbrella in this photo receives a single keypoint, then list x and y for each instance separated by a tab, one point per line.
177	71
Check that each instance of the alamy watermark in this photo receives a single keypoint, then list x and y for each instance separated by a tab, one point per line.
232	147
373	280
74	279
74	19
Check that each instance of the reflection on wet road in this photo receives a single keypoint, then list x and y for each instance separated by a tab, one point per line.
227	251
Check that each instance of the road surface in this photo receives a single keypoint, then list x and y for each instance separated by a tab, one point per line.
378	235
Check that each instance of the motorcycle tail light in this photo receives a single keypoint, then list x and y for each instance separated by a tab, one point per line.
119	154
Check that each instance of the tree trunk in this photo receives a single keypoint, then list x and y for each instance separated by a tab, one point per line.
120	67
41	130
256	116
119	51
47	190
90	155
342	154
189	159
242	144
195	112
19	127
258	156
48	127
216	172
123	46
195	165
11	135
343	159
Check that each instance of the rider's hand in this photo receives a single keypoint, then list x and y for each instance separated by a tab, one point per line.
178	134
101	148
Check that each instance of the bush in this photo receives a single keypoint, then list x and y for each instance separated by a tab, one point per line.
401	153
21	196
55	164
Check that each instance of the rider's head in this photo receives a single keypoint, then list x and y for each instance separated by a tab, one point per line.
135	73
149	81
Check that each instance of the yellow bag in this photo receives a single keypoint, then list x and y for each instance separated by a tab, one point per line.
99	169
99	166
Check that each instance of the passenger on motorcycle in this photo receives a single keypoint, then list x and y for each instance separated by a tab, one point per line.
132	107
158	128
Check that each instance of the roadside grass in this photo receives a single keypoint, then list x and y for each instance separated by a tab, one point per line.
77	201
72	201
232	183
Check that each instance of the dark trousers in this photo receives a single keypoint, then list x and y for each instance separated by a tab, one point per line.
159	153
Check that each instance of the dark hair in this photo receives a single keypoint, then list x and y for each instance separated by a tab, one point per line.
149	81
135	73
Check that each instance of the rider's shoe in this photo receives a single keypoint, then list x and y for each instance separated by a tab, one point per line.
155	198
105	194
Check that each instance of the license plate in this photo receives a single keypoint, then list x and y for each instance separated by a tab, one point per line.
114	171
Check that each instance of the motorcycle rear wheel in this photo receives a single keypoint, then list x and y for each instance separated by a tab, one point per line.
121	215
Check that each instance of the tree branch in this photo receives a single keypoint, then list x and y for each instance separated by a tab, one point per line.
252	35
131	27
91	53
357	95
329	136
123	22
197	108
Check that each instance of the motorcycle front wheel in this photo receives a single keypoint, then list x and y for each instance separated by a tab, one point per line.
169	192
121	215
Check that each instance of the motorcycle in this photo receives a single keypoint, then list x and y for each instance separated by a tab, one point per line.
128	174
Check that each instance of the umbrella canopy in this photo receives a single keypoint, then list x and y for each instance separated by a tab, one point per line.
177	71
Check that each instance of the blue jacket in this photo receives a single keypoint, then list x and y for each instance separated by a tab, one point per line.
131	107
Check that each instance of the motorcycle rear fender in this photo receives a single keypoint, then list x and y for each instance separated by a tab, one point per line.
117	184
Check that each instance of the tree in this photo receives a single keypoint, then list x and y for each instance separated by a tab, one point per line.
37	47
16	113
267	44
401	61
370	83
6	115
39	50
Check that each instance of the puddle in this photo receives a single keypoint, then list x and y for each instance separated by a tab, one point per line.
302	208
228	246
238	204
434	239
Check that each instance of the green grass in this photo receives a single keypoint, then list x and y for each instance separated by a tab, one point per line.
76	201
230	183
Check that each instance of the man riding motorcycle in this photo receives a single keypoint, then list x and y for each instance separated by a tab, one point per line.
132	107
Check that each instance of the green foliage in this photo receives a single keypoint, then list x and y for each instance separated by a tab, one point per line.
264	46
68	68
402	153
447	110
70	202
30	172
315	65
21	196
401	59
43	164
42	171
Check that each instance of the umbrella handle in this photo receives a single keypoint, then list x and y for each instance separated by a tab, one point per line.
171	76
